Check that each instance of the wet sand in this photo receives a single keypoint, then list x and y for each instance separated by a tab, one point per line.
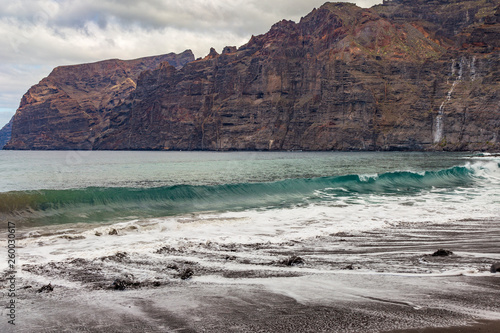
476	327
191	306
385	280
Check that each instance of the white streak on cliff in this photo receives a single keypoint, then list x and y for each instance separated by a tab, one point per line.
439	128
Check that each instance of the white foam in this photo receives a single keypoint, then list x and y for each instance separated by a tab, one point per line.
368	177
274	226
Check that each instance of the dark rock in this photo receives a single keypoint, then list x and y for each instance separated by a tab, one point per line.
119	284
70	237
442	253
79	262
229	49
293	261
495	268
213	54
173	266
118	257
5	134
167	249
126	282
98	234
46	289
113	232
186	274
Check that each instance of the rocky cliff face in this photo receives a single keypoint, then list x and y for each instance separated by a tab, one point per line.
70	108
5	134
409	75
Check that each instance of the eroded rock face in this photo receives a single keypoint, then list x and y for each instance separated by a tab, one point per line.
394	77
69	108
5	134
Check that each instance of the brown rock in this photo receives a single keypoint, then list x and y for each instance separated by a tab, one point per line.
70	107
406	75
229	49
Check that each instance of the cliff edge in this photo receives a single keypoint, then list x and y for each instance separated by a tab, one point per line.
73	105
404	75
5	134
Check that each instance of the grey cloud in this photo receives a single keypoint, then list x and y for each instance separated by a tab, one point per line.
196	15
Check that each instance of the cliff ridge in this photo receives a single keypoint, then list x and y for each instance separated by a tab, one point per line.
404	75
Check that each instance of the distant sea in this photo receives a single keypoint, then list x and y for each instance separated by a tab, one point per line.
268	190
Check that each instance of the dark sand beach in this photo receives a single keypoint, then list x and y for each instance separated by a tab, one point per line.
380	281
481	326
180	242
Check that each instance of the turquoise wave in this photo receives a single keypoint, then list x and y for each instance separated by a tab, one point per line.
98	204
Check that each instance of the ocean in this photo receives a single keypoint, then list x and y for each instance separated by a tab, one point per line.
343	190
85	219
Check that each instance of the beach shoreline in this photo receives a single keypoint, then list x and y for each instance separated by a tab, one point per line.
384	280
480	326
191	306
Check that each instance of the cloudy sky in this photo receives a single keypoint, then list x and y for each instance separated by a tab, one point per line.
38	35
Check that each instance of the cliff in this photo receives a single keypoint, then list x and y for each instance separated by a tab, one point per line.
71	107
405	75
5	134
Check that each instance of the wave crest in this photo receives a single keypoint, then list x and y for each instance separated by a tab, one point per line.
179	199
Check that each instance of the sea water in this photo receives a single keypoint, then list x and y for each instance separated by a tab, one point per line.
74	204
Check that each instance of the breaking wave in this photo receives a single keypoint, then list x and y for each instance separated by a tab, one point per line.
104	203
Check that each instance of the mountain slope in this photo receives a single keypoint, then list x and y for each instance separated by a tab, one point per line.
5	134
393	77
71	106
